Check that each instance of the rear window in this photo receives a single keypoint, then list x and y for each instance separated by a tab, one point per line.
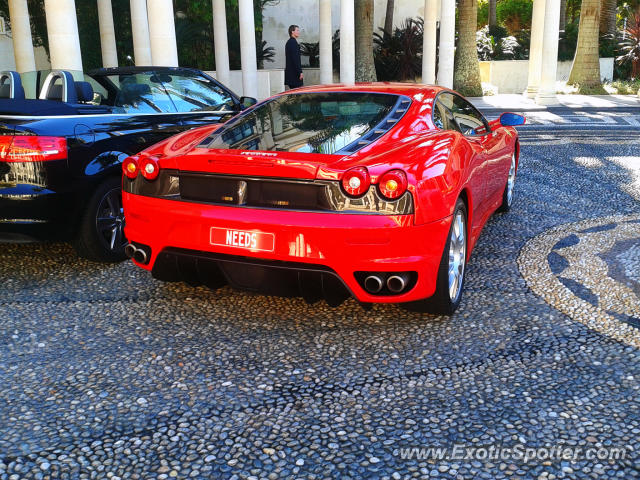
312	123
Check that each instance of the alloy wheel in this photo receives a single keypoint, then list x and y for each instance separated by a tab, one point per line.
511	182
110	221
457	255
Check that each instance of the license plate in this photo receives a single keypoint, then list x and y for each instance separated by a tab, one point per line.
245	239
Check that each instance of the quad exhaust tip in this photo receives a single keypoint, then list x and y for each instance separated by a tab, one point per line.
397	283
140	255
373	284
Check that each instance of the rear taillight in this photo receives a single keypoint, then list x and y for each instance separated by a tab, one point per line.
32	148
130	167
356	181
149	168
393	184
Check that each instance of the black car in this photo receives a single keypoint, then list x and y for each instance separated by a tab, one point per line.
61	154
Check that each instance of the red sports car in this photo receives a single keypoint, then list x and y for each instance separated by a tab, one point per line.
376	191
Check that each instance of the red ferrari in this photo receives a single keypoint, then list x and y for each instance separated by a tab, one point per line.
376	191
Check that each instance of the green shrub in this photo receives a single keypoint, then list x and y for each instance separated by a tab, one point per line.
483	13
399	56
514	14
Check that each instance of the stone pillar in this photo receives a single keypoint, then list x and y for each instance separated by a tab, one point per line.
21	33
429	41
221	45
62	31
162	33
347	42
547	91
447	43
107	34
535	49
326	50
248	49
140	31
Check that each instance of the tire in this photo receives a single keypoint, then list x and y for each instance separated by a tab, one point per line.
507	195
448	294
100	236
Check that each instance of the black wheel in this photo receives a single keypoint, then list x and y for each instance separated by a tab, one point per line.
507	195
100	235
452	269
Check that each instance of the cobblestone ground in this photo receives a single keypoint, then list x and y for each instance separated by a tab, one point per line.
107	373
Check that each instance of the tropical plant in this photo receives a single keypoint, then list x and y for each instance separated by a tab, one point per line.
399	56
312	51
515	14
630	44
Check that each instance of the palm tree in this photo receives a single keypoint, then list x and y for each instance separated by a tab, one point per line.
365	67
608	18
466	77
493	18
388	18
585	70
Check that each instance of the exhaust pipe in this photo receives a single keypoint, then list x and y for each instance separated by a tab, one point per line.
130	250
397	283
140	256
373	284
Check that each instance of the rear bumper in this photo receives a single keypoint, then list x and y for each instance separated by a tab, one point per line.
333	245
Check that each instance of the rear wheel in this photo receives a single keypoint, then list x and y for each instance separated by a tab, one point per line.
100	236
452	269
507	195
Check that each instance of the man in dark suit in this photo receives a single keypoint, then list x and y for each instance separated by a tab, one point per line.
293	70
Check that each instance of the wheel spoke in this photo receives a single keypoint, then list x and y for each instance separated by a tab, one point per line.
105	223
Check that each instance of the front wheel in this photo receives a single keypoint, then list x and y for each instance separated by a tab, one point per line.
507	195
100	235
452	269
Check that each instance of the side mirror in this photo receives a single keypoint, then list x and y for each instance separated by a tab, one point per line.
509	119
247	102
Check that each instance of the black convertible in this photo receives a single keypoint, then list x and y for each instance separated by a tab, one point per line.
61	153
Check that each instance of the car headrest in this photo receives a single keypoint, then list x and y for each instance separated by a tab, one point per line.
55	93
84	91
11	85
59	85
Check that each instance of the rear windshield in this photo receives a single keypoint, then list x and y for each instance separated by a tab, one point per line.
307	122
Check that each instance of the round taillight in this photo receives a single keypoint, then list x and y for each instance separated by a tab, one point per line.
356	181
149	168
393	184
130	167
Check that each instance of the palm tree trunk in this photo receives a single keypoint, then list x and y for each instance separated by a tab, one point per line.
608	17
493	18
585	70
365	68
388	18
466	78
563	14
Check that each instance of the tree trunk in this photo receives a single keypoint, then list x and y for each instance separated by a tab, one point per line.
365	68
563	15
608	17
493	18
466	78
388	19
585	70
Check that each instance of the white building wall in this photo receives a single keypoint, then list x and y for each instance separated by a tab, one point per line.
277	18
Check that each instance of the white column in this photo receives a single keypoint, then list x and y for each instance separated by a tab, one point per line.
62	31
535	48
140	33
107	34
326	51
447	43
347	42
429	41
220	41
162	33
248	49
547	91
21	33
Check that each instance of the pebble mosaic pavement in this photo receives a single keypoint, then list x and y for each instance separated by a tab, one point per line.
107	373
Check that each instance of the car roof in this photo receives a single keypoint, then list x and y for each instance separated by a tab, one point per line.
140	69
409	89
